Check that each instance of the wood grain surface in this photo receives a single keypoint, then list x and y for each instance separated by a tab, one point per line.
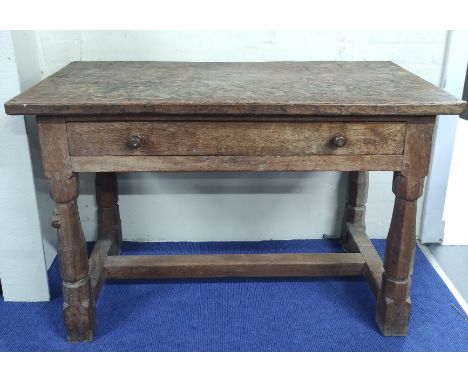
237	163
234	138
281	88
242	265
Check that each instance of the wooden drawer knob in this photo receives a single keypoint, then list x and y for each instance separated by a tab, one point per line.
339	140
135	141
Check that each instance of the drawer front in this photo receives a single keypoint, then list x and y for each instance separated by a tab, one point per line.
235	138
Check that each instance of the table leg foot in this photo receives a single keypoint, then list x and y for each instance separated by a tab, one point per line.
393	313
79	311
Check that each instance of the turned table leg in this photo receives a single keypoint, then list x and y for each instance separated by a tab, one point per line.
355	208
78	300
393	301
107	198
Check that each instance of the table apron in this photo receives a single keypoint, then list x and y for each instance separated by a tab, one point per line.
104	146
237	163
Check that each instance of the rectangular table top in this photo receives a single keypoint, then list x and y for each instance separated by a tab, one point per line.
256	88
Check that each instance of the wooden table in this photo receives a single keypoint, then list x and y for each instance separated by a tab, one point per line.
109	117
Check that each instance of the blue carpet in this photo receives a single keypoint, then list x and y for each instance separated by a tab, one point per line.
318	314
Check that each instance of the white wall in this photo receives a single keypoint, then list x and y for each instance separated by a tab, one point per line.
27	52
22	266
453	80
456	207
207	206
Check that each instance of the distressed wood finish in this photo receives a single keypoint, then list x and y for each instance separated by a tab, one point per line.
355	208
79	302
358	241
266	88
354	237
394	302
234	138
145	117
102	248
109	117
237	163
108	208
266	265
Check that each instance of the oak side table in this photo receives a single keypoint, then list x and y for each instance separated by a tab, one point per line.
109	117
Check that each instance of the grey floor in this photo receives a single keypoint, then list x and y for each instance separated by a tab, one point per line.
453	259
